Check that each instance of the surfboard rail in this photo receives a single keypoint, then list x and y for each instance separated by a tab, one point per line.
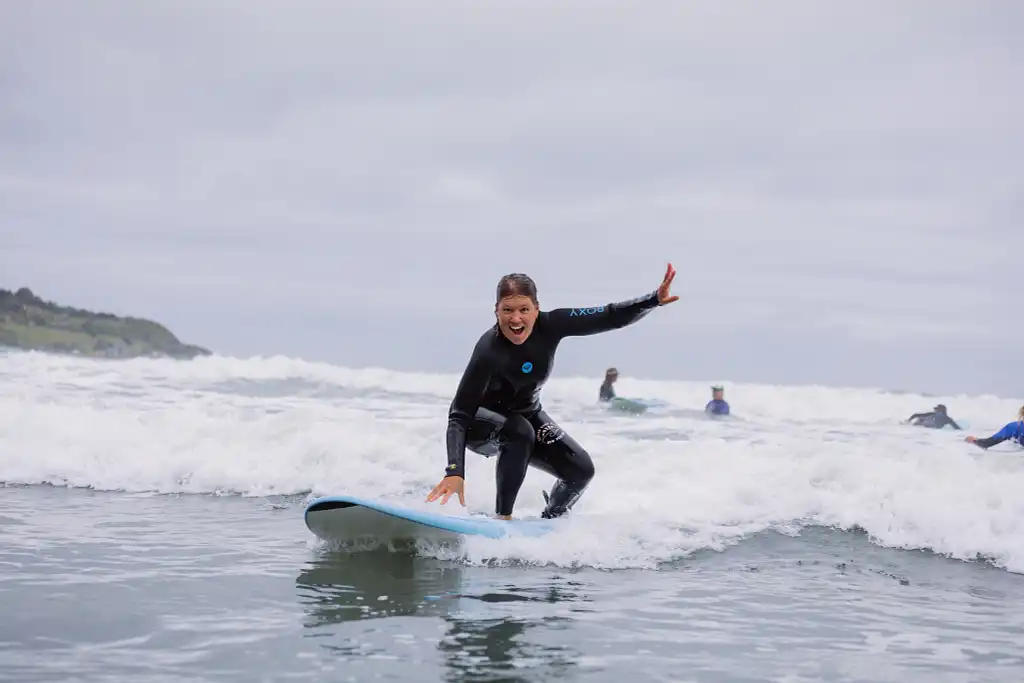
327	513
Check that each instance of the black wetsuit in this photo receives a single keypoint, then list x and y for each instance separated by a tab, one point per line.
934	420
497	410
606	392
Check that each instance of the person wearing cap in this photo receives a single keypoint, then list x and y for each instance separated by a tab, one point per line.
717	405
935	420
606	393
1013	431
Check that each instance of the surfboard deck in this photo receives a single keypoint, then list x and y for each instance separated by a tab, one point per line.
627	405
352	518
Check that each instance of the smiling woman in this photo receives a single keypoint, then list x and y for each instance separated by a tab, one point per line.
516	307
497	410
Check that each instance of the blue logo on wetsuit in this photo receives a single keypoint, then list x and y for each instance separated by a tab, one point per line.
586	311
527	366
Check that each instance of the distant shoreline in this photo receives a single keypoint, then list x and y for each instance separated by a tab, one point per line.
30	323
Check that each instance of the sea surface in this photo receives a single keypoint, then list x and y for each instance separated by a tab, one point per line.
151	530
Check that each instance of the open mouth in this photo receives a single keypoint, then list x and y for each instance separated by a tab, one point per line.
517	330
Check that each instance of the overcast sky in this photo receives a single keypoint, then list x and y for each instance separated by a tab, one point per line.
840	185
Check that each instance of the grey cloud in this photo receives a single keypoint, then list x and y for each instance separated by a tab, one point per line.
824	176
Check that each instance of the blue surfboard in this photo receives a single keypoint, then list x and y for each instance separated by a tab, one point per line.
963	424
351	518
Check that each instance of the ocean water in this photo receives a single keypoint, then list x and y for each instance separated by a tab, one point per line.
151	530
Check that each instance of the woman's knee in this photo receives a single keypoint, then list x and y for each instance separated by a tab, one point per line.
518	429
584	466
577	467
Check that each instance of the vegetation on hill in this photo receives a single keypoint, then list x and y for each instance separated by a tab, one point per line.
28	322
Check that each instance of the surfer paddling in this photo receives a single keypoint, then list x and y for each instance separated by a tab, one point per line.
1012	431
497	410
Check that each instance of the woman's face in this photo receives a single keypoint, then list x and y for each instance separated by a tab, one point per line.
516	317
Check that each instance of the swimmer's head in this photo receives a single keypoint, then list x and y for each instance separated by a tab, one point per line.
611	374
516	306
1020	413
717	392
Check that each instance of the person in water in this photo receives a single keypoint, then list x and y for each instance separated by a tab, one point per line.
606	392
496	409
1013	431
717	405
935	420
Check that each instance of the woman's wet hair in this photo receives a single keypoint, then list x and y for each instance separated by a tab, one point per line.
516	284
1020	413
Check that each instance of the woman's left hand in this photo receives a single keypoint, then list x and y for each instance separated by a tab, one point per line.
664	297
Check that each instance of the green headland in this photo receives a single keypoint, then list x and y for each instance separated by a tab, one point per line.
30	323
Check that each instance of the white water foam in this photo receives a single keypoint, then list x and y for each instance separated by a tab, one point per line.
668	482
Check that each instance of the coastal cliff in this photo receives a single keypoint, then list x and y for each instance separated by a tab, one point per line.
30	323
